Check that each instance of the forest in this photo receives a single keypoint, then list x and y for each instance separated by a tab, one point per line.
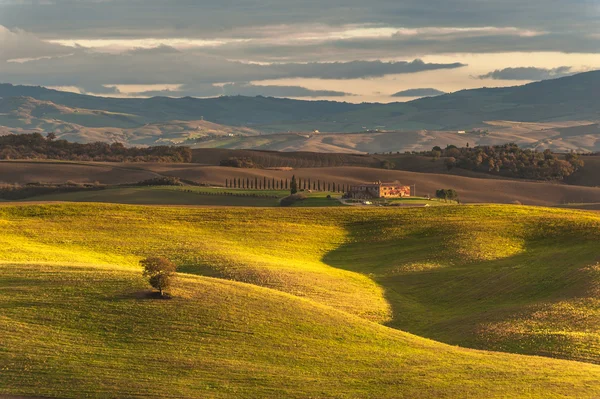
36	146
511	161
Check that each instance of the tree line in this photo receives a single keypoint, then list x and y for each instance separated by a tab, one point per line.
36	146
509	160
299	184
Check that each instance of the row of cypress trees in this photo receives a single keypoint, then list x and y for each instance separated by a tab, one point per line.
294	185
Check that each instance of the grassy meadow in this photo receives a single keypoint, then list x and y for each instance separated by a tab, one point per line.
300	302
191	195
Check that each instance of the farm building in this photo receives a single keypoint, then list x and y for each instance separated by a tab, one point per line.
379	190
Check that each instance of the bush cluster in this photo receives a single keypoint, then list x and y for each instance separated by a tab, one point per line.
292	199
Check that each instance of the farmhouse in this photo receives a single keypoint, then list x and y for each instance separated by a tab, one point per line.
379	190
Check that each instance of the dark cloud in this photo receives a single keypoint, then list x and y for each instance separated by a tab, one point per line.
410	46
165	65
247	89
358	69
425	92
202	18
528	73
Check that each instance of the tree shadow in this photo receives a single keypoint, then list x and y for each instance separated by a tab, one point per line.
435	294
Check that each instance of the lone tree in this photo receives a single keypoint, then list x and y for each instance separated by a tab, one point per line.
160	272
293	185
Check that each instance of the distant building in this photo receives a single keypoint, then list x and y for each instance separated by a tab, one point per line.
379	190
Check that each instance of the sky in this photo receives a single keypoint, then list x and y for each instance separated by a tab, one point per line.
342	50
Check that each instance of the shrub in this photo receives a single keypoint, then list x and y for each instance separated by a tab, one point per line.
292	199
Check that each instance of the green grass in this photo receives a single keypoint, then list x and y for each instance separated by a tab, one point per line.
157	196
332	291
190	195
90	331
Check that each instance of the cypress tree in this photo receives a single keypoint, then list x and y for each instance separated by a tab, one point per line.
226	183
318	185
286	184
255	183
293	185
265	183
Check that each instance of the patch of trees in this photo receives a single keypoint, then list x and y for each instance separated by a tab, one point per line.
511	161
447	194
36	146
160	181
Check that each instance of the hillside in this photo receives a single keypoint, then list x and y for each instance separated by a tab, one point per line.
471	189
563	99
589	175
340	356
559	114
314	307
27	115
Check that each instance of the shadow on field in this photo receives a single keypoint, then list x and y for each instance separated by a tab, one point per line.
144	294
438	292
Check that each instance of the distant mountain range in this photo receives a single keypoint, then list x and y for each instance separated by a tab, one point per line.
557	104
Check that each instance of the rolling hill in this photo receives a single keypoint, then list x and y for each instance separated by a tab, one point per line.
471	189
567	98
300	311
560	114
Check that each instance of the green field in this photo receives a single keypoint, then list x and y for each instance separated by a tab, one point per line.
293	302
191	195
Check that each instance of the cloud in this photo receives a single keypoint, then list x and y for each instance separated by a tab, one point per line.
98	89
94	71
247	89
242	89
358	69
20	45
204	18
425	92
528	73
410	46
